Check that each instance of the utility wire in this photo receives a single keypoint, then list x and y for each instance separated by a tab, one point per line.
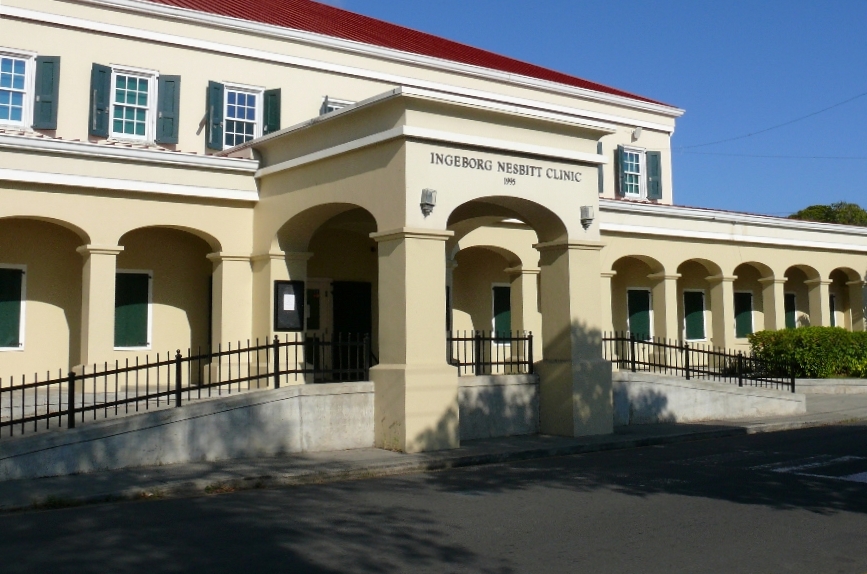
861	158
775	126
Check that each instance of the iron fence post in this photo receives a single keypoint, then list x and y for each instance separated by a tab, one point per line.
276	361
740	368
793	367
686	359
179	370
632	351
70	401
477	351
530	367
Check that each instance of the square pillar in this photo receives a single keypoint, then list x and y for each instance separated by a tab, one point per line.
267	268
416	390
722	310
856	304
574	380
525	308
232	290
774	302
605	298
97	302
665	300
820	305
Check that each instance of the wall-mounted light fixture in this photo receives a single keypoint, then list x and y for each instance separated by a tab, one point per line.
428	201
586	216
636	133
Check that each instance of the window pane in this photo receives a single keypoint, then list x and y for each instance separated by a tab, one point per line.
10	307
231	96
4	112
19	67
5	97
18	82
6	65
5	80
16	114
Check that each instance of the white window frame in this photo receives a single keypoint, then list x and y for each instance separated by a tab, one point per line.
26	122
496	341
151	122
642	176
257	91
752	312
703	312
150	274
23	317
650	292
334	104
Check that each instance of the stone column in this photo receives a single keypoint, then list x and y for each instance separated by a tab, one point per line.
97	302
416	390
575	382
774	302
665	305
722	303
232	292
856	304
820	304
605	297
525	308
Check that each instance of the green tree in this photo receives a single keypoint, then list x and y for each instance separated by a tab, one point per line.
840	212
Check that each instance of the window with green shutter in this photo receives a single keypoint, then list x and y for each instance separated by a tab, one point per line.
790	305
11	303
502	322
168	106
693	315
132	295
638	307
743	314
47	92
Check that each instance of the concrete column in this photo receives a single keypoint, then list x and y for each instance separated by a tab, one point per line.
774	302
416	391
820	304
605	298
525	308
232	290
856	304
665	304
575	382
97	302
722	310
268	268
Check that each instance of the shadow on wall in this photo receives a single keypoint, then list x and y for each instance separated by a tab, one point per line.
498	406
644	407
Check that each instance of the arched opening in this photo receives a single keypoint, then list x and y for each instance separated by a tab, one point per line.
749	299
163	291
696	301
481	298
846	299
802	303
40	295
638	297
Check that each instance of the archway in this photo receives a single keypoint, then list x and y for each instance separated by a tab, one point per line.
846	299
753	300
804	304
638	297
702	302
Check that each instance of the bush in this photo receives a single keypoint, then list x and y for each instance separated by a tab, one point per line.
814	352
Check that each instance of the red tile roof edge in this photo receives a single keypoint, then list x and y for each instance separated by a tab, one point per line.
317	18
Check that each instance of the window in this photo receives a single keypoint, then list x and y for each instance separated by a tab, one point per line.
243	116
12	307
639	309
693	315
132	310
133	99
631	165
743	314
502	311
791	309
332	105
16	87
640	173
237	114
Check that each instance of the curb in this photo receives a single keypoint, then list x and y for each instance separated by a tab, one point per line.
204	487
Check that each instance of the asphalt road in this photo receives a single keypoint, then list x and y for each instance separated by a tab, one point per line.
781	502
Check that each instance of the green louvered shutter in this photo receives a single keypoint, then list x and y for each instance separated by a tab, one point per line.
100	100
47	92
10	307
693	315
600	170
502	312
638	307
653	159
791	308
168	105
216	98
743	315
271	112
621	183
131	300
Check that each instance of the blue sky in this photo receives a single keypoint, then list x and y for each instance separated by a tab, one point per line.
737	67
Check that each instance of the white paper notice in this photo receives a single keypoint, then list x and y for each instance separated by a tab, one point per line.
288	302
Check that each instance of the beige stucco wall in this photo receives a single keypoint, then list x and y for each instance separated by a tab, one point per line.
478	270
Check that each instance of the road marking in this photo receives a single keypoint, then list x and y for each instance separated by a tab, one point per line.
815	463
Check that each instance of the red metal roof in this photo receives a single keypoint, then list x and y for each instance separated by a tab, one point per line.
310	16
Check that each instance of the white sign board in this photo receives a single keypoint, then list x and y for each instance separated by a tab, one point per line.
288	302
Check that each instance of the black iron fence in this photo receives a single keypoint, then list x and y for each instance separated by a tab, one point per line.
108	390
491	352
694	361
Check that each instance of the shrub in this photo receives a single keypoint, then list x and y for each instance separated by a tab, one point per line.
814	352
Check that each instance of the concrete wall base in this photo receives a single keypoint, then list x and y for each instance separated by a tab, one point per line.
259	423
644	398
498	405
831	386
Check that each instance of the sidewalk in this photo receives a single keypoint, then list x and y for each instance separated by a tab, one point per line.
203	478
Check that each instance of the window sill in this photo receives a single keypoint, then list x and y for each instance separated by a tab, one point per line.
18	349
147	348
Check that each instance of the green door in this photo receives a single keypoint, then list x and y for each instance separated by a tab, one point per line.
502	311
638	307
131	301
743	315
790	305
10	307
693	315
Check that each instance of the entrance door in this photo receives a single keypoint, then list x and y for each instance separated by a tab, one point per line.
638	307
353	320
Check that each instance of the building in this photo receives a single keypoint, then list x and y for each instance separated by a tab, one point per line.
165	165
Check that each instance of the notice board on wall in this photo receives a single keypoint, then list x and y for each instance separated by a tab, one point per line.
289	306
